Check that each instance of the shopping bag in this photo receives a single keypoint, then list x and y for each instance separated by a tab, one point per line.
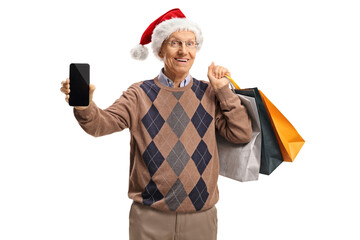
290	141
241	162
271	156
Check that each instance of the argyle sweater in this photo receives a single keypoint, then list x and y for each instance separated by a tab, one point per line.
174	163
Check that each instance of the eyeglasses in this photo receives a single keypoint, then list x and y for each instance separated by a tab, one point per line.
178	44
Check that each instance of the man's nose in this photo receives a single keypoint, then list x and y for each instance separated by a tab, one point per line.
183	49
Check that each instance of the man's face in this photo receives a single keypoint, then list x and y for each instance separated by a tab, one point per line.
178	60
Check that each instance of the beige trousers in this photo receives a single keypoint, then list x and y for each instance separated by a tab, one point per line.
146	223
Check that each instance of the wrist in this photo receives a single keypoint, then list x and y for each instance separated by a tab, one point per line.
217	87
82	107
224	93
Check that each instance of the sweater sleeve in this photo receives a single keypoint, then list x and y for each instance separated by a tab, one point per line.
231	117
120	115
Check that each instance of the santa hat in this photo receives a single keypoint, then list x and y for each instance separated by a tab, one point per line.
159	30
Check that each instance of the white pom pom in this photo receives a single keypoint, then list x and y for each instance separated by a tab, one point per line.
139	52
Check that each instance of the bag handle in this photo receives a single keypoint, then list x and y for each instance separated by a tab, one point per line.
232	83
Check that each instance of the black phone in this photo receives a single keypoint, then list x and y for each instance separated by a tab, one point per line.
79	84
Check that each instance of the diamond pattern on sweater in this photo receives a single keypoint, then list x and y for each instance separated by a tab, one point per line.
153	121
178	95
175	110
201	120
175	196
199	194
151	89
153	158
199	88
201	156
178	158
151	194
178	120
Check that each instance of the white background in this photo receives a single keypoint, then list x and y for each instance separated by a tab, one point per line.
57	182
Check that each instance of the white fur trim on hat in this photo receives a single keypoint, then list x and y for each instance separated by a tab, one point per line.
166	28
139	52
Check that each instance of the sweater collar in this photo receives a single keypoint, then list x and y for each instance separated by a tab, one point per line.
163	79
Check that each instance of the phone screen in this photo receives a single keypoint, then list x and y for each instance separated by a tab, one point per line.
79	84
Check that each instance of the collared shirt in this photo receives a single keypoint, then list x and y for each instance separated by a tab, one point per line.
169	83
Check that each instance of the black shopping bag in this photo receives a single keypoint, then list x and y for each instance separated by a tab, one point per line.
271	156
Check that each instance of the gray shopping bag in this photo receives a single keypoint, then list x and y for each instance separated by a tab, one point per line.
242	161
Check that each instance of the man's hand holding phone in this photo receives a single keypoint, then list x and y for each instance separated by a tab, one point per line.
66	90
79	94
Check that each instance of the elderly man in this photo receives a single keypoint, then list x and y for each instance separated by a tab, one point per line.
174	164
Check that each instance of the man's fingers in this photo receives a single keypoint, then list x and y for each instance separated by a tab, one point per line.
218	71
210	68
223	72
92	88
65	84
65	90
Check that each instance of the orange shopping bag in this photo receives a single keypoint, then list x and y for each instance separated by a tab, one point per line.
290	141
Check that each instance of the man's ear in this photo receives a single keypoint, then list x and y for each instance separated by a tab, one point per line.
162	51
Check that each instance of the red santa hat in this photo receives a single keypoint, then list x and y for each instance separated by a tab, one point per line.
159	30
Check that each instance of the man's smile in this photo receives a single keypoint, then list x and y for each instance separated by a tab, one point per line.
181	59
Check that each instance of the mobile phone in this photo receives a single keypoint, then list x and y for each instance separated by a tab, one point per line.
79	84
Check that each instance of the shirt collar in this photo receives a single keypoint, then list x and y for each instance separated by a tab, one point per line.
169	83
